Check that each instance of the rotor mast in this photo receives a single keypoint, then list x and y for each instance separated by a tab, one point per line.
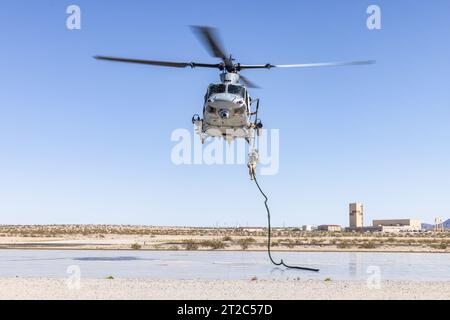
229	77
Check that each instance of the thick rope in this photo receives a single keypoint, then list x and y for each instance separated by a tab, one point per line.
281	263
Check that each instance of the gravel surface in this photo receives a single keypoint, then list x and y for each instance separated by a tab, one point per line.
43	288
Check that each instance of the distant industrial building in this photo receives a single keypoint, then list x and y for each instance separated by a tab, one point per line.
398	225
356	215
307	227
330	228
251	229
356	219
356	222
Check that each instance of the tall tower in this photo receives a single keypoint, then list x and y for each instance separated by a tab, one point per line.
438	225
356	215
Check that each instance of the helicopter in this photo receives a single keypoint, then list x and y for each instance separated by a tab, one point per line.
228	107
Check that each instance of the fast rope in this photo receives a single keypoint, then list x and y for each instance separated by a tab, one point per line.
281	263
253	160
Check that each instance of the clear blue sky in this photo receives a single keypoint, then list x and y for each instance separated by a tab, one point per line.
84	141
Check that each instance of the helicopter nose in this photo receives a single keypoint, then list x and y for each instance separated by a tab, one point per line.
222	102
225	97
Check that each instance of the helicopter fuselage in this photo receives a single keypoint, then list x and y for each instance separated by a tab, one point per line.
226	110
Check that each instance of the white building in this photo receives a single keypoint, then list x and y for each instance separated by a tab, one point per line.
398	225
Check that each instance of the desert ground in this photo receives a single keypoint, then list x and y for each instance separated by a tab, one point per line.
135	289
104	237
107	237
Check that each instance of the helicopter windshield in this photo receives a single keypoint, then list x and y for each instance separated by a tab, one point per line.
237	90
216	88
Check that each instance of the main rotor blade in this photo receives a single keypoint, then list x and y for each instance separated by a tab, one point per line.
247	82
160	63
306	65
210	39
325	64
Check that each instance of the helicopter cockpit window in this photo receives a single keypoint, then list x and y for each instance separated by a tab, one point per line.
216	88
237	90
